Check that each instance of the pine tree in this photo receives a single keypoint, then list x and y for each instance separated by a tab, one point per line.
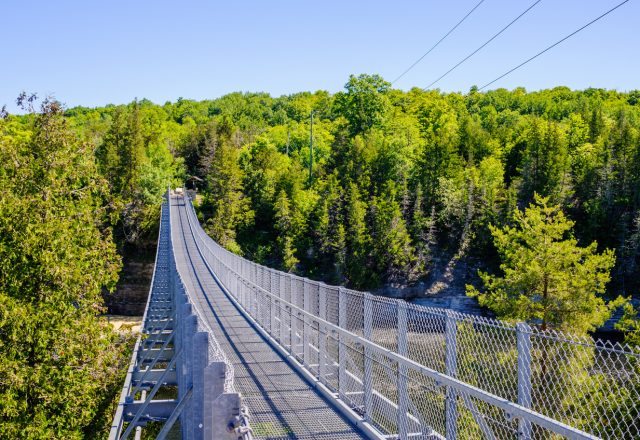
547	277
231	208
392	250
284	242
358	240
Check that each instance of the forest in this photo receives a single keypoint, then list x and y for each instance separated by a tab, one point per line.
532	197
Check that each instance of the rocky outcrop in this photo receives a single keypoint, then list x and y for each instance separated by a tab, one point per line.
130	296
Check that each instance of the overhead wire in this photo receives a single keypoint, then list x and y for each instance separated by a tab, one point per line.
439	41
522	14
554	44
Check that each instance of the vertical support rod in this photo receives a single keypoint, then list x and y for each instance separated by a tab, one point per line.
322	334
190	326
307	328
403	371
214	376
523	335
451	415
342	350
367	383
294	319
283	311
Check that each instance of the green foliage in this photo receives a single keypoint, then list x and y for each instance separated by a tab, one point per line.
364	103
134	158
283	226
630	325
229	205
393	253
547	276
456	164
57	358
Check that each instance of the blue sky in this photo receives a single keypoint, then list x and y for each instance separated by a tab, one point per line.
98	52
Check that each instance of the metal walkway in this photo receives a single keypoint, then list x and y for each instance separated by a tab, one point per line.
281	403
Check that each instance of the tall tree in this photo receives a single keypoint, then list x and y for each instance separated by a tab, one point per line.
57	357
285	241
231	208
547	277
364	104
358	239
393	253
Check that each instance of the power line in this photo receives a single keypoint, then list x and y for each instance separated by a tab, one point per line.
554	45
487	42
439	41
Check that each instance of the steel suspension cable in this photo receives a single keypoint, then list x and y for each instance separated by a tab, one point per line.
554	45
439	41
485	43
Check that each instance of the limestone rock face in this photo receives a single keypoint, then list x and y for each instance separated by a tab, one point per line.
130	296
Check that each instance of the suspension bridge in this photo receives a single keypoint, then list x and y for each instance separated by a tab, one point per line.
231	349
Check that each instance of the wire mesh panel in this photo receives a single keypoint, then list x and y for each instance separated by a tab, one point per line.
413	371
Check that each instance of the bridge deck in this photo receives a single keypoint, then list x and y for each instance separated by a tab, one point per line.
281	403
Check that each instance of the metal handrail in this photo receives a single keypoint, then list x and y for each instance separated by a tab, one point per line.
511	409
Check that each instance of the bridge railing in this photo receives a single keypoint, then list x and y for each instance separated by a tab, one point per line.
408	370
177	357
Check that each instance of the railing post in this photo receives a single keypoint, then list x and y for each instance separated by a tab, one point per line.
214	377
451	415
403	371
342	350
178	341
295	318
200	359
322	334
283	311
270	303
306	288
367	383
523	335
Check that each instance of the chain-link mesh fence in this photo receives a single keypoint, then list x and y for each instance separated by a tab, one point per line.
410	370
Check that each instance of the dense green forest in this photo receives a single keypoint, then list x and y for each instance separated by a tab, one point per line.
73	195
403	181
535	195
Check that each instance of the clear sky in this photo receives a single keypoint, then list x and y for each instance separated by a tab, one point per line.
98	52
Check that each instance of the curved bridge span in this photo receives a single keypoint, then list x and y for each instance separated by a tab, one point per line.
234	350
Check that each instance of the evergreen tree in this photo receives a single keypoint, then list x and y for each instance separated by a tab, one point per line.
283	226
330	232
544	161
547	277
231	208
391	244
57	358
358	240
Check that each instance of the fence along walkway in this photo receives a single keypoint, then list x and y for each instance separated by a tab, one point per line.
406	371
178	370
